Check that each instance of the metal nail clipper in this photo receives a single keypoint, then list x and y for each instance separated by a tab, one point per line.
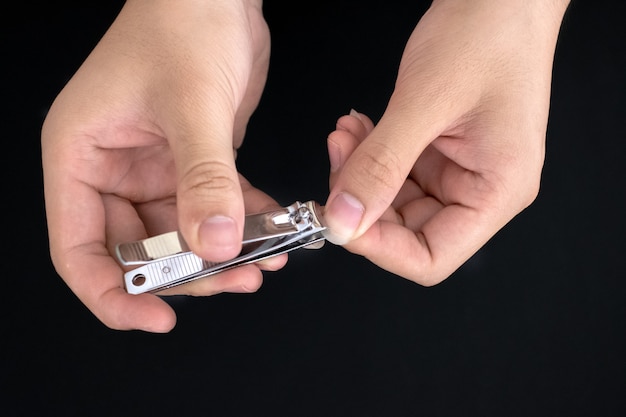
166	260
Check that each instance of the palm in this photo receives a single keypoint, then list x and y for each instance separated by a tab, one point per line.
153	101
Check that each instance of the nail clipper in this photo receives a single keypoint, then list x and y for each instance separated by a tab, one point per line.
166	261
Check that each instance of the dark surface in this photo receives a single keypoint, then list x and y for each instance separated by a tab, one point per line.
533	325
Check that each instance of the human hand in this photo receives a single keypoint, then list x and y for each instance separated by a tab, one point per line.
460	148
142	140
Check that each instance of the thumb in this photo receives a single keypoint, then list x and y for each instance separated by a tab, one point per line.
371	177
209	197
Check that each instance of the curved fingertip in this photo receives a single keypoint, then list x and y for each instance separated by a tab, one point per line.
162	318
244	279
146	312
335	239
248	287
357	123
220	238
273	263
352	124
343	215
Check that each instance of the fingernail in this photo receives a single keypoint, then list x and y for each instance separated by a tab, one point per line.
334	155
219	236
355	114
352	113
239	289
343	216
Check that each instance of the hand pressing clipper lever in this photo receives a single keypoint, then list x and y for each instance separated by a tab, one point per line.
166	260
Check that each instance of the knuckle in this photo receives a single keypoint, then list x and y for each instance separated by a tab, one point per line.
428	281
529	195
527	190
532	191
209	179
376	170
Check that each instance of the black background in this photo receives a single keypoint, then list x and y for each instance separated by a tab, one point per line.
533	325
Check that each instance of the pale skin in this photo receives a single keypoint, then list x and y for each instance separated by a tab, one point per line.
141	142
460	147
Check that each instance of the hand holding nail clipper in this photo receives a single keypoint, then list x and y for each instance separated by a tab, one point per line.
143	138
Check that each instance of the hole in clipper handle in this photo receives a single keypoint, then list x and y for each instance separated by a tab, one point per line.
139	280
